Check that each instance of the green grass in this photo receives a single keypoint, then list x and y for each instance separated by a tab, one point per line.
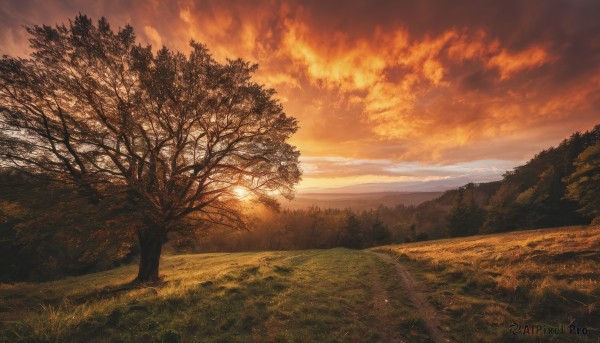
317	295
482	284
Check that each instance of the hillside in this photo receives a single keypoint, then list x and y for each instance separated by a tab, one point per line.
533	195
543	276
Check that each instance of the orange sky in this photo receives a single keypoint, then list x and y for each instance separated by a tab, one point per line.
387	91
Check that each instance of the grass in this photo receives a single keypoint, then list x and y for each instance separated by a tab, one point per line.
480	286
483	284
301	296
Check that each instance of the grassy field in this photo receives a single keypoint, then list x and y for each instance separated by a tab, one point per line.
548	279
326	296
479	286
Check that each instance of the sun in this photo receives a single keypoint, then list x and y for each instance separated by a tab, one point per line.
241	193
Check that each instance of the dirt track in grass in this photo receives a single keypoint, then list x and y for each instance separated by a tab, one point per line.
415	292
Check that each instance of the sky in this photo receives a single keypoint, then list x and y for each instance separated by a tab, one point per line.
386	91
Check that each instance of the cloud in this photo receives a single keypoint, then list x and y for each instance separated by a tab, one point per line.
509	63
408	86
153	36
336	166
411	83
326	172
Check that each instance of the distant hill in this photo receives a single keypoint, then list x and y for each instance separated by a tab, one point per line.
440	185
359	201
431	217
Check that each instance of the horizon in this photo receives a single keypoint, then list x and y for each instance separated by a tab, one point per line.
391	94
405	187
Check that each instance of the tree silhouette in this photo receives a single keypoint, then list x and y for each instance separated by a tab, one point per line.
178	134
465	217
352	235
380	233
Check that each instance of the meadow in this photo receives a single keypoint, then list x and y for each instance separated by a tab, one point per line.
480	287
484	284
336	295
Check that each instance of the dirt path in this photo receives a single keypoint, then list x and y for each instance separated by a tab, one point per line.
381	307
415	292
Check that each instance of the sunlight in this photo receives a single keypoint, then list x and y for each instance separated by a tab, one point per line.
241	193
274	193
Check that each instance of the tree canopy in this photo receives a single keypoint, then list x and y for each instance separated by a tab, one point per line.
533	195
584	183
179	134
465	217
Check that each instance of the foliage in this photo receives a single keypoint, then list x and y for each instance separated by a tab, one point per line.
465	217
300	229
48	230
380	234
528	197
533	195
584	183
352	236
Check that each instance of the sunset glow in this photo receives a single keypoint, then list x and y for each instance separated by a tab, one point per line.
241	193
397	91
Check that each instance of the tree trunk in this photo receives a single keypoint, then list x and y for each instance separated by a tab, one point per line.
151	239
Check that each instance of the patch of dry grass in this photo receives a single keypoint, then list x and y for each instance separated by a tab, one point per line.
485	283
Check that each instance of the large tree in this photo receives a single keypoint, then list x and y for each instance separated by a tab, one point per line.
180	135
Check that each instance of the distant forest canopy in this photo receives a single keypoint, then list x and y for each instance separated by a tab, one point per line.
42	237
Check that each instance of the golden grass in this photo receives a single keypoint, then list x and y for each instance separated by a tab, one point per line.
484	283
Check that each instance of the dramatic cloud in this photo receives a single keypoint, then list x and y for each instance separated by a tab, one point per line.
387	90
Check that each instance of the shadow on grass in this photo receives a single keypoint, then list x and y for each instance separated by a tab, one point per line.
232	308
